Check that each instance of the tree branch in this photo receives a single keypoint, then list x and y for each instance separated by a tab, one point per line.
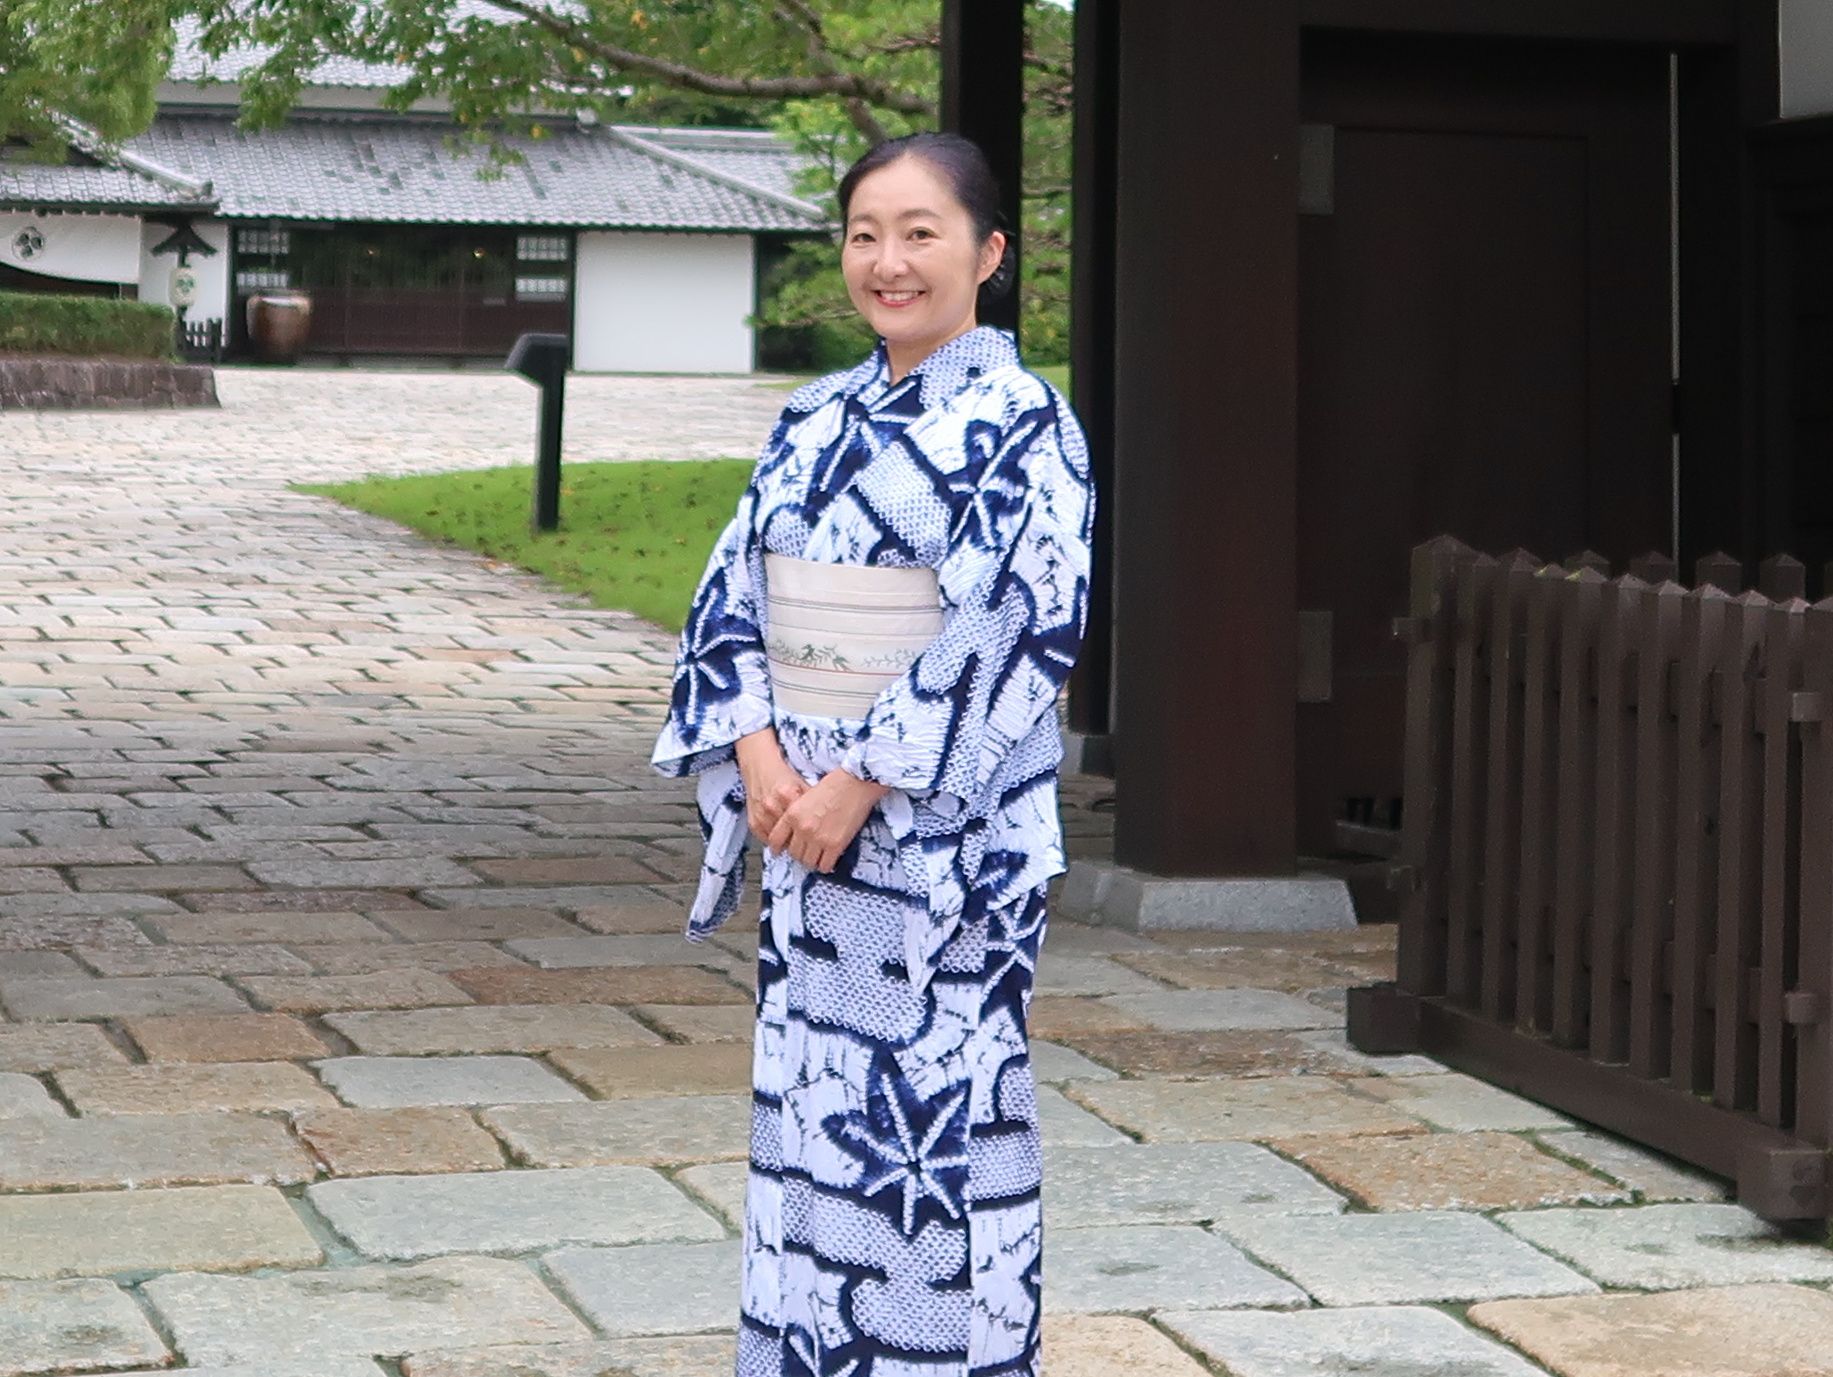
846	85
822	55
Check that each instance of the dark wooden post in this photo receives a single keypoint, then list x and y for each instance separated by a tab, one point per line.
1093	197
1205	440
983	97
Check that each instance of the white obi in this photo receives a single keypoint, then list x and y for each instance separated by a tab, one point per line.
839	633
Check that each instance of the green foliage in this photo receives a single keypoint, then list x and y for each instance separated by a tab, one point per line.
97	63
85	325
833	76
634	536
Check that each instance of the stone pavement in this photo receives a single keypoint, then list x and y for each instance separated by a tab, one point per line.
345	1030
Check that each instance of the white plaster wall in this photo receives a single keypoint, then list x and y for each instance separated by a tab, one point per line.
1807	58
75	248
212	270
663	303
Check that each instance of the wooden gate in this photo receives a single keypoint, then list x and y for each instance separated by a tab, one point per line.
1617	858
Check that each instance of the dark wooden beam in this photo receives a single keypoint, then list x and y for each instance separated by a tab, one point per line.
983	97
1593	21
1091	334
1206	437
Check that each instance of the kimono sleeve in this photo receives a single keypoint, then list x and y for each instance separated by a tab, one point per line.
1015	577
721	689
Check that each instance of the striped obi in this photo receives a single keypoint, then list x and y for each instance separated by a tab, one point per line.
839	633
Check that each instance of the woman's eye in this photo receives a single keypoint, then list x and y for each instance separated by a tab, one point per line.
922	234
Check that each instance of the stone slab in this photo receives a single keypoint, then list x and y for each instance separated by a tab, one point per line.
389	989
381	1310
148	1150
98	1233
665	1288
615	1073
287	928
189	1089
1214	1110
1451	1171
1192	1011
394	1082
701	1022
251	958
48	1046
1667	1247
1103	892
1741	1331
1157	1267
1410	1340
1334	1043
682	1356
489	1028
1103	1345
225	1038
1064	1123
479	925
1091	975
387	1142
122	997
27	965
368	957
1652	1177
1401	1259
22	1096
622	985
72	1326
1258	968
678	1128
320	1367
633	949
405	1218
1052	1064
1462	1104
1230	1055
720	1186
1176	1183
1070	1018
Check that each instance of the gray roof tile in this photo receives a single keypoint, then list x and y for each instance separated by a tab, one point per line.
407	169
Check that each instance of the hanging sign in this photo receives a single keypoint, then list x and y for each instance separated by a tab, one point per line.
183	291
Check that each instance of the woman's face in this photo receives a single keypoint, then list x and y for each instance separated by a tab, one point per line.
912	260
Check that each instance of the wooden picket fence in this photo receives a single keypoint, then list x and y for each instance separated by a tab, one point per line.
1616	866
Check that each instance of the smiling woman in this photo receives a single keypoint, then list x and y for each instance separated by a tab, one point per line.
867	685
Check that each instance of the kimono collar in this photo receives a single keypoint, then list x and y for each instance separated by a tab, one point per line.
946	371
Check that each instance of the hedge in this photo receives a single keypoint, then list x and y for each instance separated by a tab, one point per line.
85	325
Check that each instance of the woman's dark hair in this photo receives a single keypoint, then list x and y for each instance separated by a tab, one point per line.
970	177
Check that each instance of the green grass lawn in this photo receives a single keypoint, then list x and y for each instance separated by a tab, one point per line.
632	535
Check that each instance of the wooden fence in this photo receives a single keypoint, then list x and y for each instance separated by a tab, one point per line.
1616	871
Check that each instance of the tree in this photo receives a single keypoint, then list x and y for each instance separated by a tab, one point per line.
97	64
833	75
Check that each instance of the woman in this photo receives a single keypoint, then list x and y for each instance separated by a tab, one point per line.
867	685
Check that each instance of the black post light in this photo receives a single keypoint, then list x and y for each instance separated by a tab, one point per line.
542	359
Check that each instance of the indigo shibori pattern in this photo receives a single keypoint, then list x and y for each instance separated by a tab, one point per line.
893	1226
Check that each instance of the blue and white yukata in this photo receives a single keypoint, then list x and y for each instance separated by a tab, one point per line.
892	1220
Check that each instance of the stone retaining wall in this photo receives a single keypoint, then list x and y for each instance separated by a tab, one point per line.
59	384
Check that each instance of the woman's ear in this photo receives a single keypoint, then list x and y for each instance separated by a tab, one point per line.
991	253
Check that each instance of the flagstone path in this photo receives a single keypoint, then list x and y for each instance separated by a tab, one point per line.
345	1029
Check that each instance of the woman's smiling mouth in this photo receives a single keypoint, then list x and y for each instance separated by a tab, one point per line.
897	298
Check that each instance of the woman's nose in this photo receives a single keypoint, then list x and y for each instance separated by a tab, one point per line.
890	261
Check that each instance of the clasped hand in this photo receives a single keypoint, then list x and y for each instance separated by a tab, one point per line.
814	823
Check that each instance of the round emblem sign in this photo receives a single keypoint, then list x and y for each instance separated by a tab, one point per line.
28	244
184	286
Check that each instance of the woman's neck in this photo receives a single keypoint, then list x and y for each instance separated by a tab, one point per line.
903	359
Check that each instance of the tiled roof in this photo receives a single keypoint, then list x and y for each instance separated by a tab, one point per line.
96	177
408	169
36	185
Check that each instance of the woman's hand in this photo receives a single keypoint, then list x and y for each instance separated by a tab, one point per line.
771	784
822	823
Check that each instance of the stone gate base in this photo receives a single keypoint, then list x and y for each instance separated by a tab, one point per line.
57	384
